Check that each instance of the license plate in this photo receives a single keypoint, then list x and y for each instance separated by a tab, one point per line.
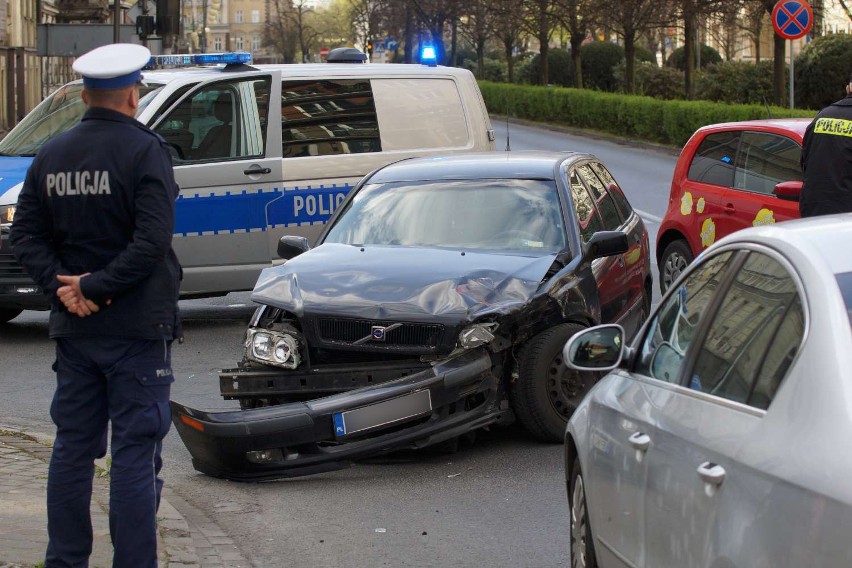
382	414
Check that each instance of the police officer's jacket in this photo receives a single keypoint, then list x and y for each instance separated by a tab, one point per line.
100	199
827	161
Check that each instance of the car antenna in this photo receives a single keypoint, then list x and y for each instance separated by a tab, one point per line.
766	104
508	146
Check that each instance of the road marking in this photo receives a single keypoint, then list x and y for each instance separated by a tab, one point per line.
648	217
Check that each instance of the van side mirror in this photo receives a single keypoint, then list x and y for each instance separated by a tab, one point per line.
789	190
600	348
605	243
290	246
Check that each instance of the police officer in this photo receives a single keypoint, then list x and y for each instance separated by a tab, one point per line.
94	227
827	160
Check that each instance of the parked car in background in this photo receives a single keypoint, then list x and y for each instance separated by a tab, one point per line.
718	438
437	302
729	176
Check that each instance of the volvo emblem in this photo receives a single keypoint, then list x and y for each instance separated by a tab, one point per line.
378	333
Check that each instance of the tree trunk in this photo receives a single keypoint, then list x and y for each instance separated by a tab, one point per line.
480	58
454	42
576	42
689	56
779	68
543	41
629	62
408	49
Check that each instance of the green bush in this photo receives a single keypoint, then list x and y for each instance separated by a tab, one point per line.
644	55
669	122
736	82
560	69
822	69
494	69
658	82
709	56
600	59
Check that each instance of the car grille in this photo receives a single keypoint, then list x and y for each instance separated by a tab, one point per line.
407	335
9	266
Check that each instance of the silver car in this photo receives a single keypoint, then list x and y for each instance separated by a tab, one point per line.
721	436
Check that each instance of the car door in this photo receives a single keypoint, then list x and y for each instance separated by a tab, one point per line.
617	214
708	179
608	271
226	153
621	425
700	496
764	160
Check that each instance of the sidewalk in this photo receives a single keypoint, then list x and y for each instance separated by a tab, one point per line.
187	538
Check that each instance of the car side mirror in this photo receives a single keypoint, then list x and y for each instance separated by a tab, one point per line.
789	190
290	246
605	243
600	348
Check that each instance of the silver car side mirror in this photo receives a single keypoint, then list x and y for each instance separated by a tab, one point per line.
600	348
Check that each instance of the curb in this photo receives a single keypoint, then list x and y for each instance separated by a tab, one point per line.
194	543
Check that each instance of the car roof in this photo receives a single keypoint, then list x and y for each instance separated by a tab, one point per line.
305	70
477	165
792	125
828	236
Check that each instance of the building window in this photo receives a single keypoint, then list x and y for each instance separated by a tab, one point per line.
255	16
239	16
238	43
255	43
217	43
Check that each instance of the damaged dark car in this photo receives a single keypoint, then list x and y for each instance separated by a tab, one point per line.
437	302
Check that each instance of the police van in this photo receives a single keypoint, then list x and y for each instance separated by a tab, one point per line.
258	151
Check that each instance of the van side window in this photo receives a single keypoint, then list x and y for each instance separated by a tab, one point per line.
766	160
222	121
714	160
327	117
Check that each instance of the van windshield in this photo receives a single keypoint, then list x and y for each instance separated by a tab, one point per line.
496	214
59	112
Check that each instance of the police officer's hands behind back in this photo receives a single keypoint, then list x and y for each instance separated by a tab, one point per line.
72	296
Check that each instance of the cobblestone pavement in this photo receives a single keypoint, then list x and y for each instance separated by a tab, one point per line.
188	537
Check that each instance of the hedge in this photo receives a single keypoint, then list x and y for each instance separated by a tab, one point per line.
664	121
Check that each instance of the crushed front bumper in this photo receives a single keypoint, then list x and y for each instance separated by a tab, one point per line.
302	438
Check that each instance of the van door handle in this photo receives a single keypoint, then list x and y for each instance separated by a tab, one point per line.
640	441
711	473
256	170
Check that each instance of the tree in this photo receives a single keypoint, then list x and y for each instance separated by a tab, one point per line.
577	16
539	19
278	32
477	27
690	12
507	28
629	19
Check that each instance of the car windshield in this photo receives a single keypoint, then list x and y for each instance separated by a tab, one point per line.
497	214
60	111
845	282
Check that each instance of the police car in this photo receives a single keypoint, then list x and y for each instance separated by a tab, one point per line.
259	150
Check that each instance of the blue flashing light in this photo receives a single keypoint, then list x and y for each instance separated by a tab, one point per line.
228	58
428	56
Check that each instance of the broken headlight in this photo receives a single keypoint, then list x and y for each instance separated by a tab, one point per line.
477	335
273	348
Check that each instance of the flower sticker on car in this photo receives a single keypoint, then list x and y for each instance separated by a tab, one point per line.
708	232
699	207
686	204
763	217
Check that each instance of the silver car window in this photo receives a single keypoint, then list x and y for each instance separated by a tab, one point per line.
662	352
753	337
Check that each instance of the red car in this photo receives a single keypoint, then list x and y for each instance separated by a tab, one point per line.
729	176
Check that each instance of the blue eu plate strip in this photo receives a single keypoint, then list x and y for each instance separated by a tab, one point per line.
339	427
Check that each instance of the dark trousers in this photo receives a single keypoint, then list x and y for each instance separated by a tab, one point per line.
101	380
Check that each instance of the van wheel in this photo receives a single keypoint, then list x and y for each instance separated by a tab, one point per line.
675	259
547	391
582	544
8	314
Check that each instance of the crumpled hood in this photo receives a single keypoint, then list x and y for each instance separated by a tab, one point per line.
402	284
12	172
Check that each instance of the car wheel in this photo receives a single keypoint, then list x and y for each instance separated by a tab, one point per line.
546	391
676	258
8	314
582	545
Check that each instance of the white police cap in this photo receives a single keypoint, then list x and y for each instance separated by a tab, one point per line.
112	66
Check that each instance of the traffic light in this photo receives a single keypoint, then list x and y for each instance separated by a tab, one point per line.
370	48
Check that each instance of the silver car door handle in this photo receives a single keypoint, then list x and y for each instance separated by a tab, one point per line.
711	473
640	441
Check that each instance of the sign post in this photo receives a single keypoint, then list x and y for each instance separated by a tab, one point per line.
323	52
792	19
